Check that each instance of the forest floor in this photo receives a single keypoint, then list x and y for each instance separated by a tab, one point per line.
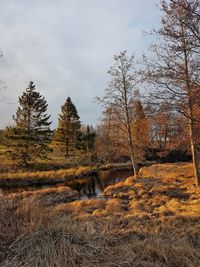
149	221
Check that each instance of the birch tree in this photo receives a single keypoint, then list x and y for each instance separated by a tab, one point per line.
119	96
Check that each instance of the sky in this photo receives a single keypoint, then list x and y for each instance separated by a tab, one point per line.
66	47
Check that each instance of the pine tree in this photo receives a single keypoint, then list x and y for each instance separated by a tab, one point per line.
29	138
68	130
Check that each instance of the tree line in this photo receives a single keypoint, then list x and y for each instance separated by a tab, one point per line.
172	75
30	138
159	121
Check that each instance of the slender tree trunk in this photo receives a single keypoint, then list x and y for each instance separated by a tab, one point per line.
191	104
67	147
128	123
135	169
132	152
194	155
108	134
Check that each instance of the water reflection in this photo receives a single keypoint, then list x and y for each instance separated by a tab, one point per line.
89	186
94	185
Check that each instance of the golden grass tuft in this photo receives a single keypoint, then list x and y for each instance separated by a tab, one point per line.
81	207
47	196
168	170
145	221
42	177
100	242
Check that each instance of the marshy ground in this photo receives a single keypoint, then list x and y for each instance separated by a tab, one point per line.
151	220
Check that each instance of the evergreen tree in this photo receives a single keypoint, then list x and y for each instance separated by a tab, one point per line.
29	138
67	134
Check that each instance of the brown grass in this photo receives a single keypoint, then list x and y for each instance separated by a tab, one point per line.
144	221
47	196
168	170
92	243
41	177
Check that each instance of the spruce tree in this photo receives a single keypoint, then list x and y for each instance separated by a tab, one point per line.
29	138
68	130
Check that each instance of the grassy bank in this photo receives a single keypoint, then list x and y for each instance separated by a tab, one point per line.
28	178
169	171
34	178
144	221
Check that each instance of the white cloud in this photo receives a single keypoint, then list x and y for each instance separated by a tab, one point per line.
66	46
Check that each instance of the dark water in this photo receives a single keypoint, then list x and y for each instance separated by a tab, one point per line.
94	185
87	186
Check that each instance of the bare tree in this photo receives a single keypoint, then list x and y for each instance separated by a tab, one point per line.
140	129
119	96
111	144
174	69
104	140
193	9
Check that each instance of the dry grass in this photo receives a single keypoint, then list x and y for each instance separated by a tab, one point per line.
92	243
41	177
168	170
144	221
109	241
47	196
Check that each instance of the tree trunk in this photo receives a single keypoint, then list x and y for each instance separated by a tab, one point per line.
67	148
195	163
191	107
194	156
135	169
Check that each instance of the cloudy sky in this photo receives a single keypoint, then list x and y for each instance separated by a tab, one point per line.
66	47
